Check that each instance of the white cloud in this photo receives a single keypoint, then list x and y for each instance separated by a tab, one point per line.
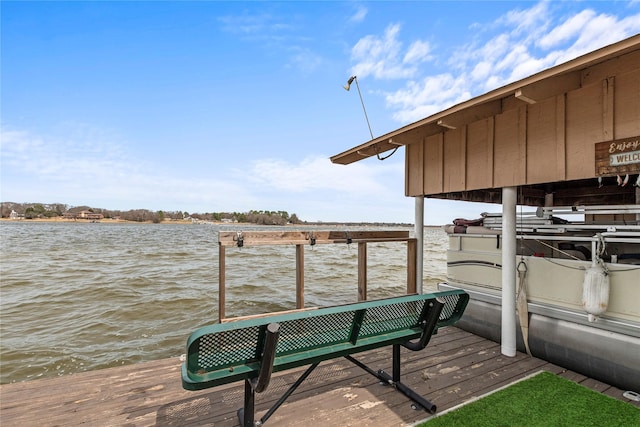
59	159
90	168
533	20
516	45
359	15
567	30
600	31
419	51
94	168
481	71
318	173
432	94
381	56
272	33
305	60
261	24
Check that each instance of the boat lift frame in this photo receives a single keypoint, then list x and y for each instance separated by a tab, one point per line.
239	239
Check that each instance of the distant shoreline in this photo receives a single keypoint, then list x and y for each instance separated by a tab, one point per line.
187	221
89	221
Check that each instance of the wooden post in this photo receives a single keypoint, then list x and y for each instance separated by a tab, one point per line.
362	271
299	276
221	282
412	266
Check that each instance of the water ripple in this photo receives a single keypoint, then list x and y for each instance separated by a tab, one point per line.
78	296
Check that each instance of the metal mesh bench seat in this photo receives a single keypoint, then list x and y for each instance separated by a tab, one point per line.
252	349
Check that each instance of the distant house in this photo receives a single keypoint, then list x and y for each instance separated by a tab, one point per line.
88	215
15	215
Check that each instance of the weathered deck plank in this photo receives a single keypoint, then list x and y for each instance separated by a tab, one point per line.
455	367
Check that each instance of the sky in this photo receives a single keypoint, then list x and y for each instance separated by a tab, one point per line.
209	106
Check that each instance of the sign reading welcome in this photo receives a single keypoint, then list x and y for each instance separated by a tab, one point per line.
618	157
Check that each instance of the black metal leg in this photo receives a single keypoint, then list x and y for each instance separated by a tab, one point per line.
362	365
407	391
246	413
396	363
394	380
284	397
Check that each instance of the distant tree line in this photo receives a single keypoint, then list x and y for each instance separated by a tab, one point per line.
52	210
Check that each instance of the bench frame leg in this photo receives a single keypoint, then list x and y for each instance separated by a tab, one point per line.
246	415
394	380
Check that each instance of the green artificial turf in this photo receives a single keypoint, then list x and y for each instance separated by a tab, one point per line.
542	400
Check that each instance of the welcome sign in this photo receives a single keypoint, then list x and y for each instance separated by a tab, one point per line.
618	157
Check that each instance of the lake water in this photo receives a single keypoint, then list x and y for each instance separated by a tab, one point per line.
84	296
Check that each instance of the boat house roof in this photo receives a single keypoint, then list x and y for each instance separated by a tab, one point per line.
562	135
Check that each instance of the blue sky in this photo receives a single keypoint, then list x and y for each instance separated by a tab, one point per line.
211	106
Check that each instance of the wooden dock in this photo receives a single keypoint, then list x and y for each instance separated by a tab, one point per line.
455	367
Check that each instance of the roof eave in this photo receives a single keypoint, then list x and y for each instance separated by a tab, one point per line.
567	76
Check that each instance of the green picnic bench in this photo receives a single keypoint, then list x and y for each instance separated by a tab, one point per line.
252	349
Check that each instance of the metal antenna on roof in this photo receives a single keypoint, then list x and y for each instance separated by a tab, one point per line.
347	87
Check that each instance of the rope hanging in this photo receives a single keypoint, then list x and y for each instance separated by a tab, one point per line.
522	306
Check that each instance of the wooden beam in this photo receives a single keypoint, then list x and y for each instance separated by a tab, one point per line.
445	125
554	86
522	97
412	265
471	114
299	276
253	238
221	282
362	271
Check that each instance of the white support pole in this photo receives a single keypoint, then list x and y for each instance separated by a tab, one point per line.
419	232
509	199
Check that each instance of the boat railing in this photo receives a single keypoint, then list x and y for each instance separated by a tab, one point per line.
604	218
550	211
618	243
588	210
599	243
